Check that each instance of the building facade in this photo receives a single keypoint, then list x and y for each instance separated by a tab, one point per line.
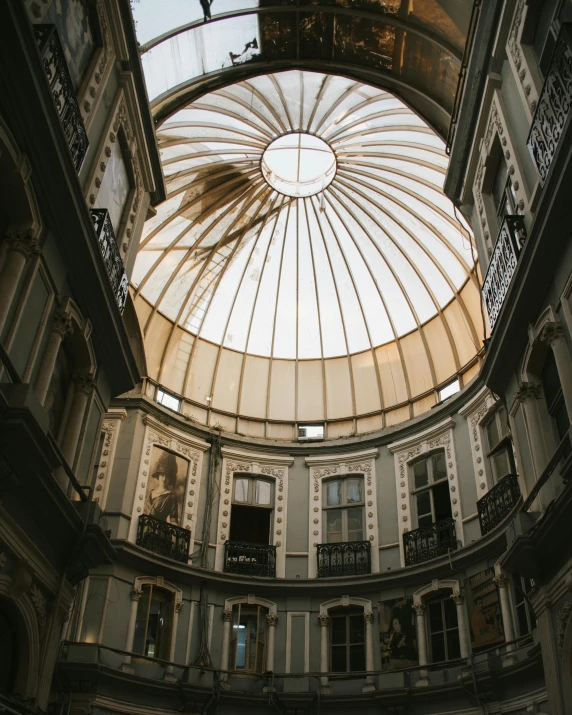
209	508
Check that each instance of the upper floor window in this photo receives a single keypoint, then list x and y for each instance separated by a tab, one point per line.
503	193
430	489
154	623
115	185
311	431
347	638
251	515
344	510
524	614
168	400
499	445
248	640
443	630
554	396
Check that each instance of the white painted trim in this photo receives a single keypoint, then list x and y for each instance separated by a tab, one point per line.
436	585
345	601
254	464
405	451
475	413
251	600
289	617
342	465
111	426
389	546
189	448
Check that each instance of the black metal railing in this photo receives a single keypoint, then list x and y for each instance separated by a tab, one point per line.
110	252
57	73
163	538
429	542
554	104
502	266
249	559
349	558
498	503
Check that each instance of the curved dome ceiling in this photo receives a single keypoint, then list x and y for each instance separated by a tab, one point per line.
351	295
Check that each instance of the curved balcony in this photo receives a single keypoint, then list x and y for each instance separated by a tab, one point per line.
350	558
498	503
164	539
250	559
429	542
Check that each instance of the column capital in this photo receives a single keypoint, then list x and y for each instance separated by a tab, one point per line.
62	324
23	242
178	606
458	598
501	580
227	616
84	383
527	391
368	617
419	609
271	620
324	620
550	332
136	593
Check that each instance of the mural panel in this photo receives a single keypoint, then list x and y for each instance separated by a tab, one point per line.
397	635
166	486
484	610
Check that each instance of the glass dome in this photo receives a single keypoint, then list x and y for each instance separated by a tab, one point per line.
306	264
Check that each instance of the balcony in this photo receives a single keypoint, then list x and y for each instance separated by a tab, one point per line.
249	559
56	69
351	558
498	503
429	542
502	265
553	110
162	538
110	252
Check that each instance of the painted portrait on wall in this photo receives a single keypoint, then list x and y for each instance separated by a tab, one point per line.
397	634
166	486
483	607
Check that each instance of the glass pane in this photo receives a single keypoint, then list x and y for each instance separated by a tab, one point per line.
523	628
450	613
501	464
492	431
357	658
423	503
141	621
357	634
339	659
338	630
442	501
439	466
263	491
157	642
438	647
241	490
334	525
420	476
502	422
435	617
355	524
424	522
355	490
453	646
333	493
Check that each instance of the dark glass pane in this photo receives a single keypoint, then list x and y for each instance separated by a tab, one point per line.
420	474
450	613
453	646
439	466
501	464
502	422
355	524
339	659
523	628
438	647
339	630
357	658
425	522
334	525
492	430
423	503
550	380
357	629
561	416
435	617
141	621
441	501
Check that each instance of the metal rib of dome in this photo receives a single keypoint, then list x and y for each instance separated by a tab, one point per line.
374	257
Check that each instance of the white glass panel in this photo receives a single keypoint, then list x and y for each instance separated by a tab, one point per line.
333	493
114	189
241	490
263	492
354	491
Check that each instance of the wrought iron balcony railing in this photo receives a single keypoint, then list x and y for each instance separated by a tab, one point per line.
503	264
497	503
554	105
163	538
429	542
249	559
60	82
110	252
349	558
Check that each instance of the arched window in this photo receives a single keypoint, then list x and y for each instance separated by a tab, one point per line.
154	623
248	639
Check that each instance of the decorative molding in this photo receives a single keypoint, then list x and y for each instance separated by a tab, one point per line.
110	428
39	602
257	457
252	600
437	585
517	56
562	622
474	413
342	465
345	602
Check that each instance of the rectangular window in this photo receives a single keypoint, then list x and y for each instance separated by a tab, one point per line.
344	510
431	489
554	396
251	515
503	194
168	400
347	642
443	630
449	390
310	431
248	644
499	445
524	613
154	623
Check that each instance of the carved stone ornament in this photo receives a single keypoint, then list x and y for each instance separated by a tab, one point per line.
39	603
551	332
324	620
501	580
457	599
419	609
136	593
227	616
62	324
562	622
527	391
179	605
23	242
368	617
271	620
84	383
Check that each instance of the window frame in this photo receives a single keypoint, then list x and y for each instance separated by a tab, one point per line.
251	501
262	612
427	457
504	443
347	614
441	600
520	591
344	506
165	647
